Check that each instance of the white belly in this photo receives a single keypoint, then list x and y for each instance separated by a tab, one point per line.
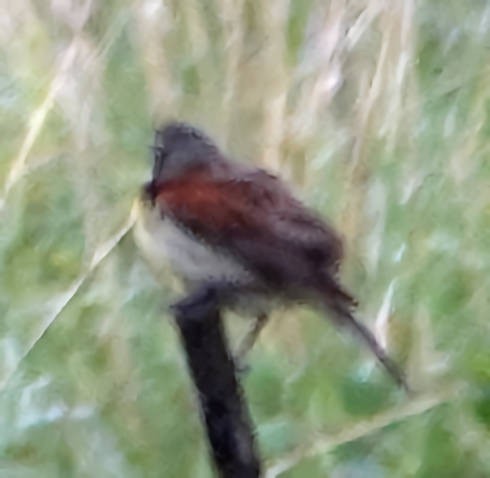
163	244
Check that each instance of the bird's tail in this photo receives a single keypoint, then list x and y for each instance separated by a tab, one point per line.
341	304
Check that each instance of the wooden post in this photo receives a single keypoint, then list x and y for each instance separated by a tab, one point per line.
224	412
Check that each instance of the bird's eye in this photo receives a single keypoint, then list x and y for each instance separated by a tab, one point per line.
159	155
158	152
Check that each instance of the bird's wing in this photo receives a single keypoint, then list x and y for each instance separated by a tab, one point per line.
256	219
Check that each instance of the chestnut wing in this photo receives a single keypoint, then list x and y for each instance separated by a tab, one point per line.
256	219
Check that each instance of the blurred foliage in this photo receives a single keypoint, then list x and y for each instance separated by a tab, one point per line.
377	111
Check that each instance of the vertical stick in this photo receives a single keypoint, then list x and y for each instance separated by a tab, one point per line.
224	411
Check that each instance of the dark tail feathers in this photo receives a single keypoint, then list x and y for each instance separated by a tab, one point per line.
342	304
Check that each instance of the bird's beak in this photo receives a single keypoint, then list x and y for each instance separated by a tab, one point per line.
149	192
159	155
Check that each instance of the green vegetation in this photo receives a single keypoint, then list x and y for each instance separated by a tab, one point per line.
378	112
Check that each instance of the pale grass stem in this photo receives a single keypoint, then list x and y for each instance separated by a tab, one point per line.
58	303
36	123
321	444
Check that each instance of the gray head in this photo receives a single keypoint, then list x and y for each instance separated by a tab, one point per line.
178	147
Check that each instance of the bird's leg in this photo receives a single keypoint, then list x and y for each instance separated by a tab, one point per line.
249	340
200	302
209	297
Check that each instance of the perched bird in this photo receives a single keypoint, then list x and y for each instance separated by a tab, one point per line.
238	238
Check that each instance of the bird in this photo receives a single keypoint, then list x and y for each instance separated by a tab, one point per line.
239	239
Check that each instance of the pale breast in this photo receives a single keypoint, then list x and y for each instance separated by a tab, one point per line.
164	244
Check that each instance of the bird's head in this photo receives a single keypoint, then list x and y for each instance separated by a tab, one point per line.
179	147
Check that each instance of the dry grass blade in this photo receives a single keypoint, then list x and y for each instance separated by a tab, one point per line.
36	122
323	444
58	303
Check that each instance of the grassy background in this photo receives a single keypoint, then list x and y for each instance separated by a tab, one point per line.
378	111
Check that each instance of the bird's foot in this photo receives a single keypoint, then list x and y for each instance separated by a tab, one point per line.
196	305
242	367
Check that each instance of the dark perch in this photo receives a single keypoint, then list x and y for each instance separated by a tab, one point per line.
224	411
